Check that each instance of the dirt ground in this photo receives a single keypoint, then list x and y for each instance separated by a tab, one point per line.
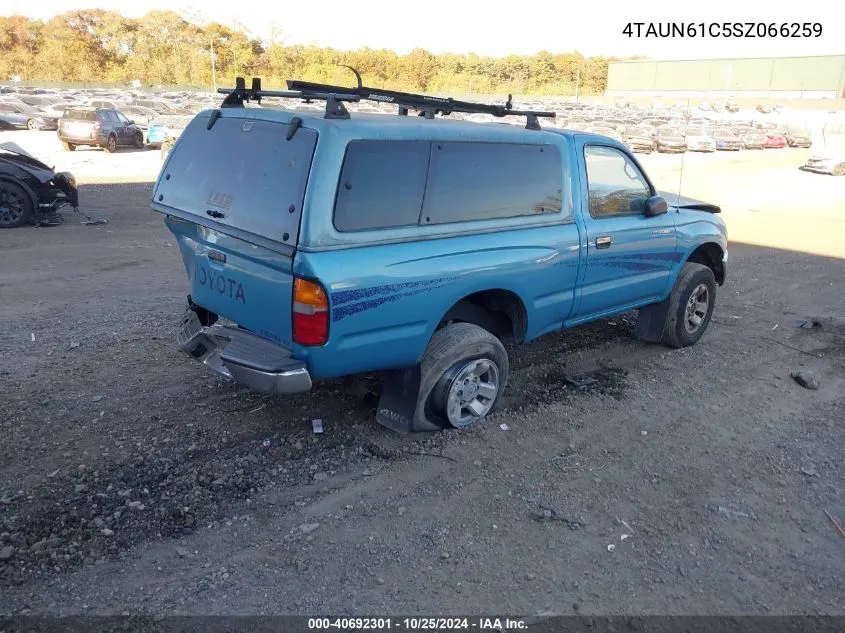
680	482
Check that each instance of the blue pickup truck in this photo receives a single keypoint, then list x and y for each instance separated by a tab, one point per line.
337	244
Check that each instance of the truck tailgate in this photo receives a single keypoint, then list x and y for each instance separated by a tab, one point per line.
242	282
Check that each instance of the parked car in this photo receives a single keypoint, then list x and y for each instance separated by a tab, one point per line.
606	130
832	162
731	106
751	139
20	116
796	137
774	140
727	140
165	128
669	139
415	247
139	115
638	138
698	140
29	189
764	108
98	127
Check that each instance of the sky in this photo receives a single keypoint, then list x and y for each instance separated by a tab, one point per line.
496	28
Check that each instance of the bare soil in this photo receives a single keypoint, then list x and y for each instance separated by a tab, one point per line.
687	481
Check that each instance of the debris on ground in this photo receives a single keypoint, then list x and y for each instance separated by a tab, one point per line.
733	514
810	471
580	381
611	547
503	426
806	379
807	324
837	523
317	426
550	514
307	528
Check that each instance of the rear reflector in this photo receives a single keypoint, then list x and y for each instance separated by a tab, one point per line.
310	313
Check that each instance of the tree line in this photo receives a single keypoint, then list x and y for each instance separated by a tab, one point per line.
164	48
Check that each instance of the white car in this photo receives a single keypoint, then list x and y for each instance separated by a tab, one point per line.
698	140
833	164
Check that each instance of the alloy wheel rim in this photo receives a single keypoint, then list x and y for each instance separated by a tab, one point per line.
697	307
472	391
11	207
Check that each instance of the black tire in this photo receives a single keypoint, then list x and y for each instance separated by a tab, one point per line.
69	147
457	346
111	144
691	281
15	205
32	125
839	170
139	140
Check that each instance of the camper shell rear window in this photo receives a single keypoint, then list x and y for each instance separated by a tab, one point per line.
242	173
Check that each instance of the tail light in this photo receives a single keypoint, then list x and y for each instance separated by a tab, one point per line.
310	313
98	125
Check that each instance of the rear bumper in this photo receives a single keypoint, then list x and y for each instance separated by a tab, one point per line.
247	358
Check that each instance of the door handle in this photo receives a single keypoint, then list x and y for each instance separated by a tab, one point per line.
603	242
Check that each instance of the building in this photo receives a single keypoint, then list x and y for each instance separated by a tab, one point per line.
821	76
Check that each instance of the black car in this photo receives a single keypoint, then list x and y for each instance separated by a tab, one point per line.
30	191
98	127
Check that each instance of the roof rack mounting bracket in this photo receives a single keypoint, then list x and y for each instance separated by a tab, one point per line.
335	109
531	122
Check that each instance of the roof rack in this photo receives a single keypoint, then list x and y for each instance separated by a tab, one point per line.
427	106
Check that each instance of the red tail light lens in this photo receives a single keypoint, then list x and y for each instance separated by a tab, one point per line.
310	313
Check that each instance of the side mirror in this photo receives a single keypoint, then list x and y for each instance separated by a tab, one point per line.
132	121
656	205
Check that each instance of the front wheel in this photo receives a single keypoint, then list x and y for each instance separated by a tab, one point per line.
15	205
690	306
69	147
464	372
139	140
839	170
32	124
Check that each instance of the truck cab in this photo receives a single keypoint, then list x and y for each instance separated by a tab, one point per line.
335	244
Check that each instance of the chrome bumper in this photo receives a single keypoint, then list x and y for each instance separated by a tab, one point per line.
245	357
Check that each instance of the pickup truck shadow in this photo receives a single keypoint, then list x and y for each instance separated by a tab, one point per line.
91	373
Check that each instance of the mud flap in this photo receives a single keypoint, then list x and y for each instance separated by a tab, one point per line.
397	405
651	321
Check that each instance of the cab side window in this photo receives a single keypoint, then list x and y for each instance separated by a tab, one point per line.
615	184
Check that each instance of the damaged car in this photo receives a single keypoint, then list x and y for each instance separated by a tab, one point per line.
30	191
832	163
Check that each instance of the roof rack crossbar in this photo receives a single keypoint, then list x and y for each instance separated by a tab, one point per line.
236	96
427	105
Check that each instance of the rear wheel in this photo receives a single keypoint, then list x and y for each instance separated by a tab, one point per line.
111	144
32	124
839	170
691	306
464	372
69	147
15	205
